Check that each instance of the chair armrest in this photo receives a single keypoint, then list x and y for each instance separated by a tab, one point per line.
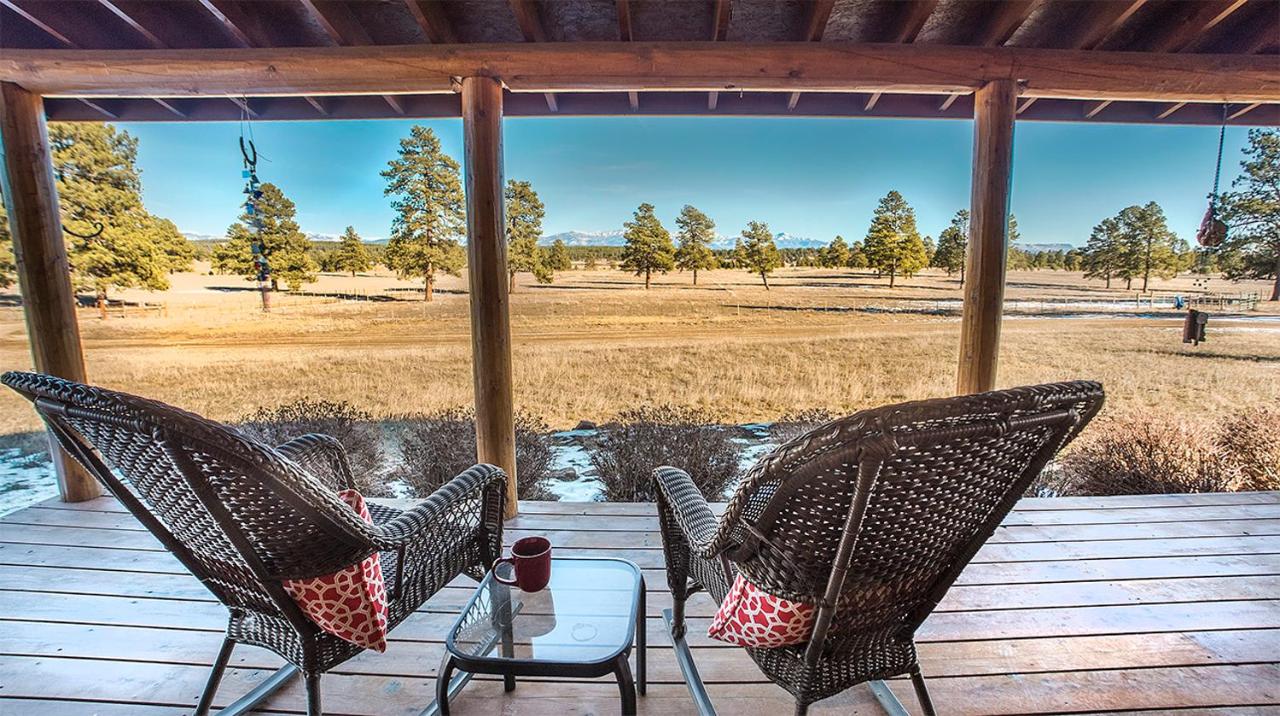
477	494
689	509
322	456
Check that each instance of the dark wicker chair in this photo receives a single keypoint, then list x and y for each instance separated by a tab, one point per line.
871	518
243	516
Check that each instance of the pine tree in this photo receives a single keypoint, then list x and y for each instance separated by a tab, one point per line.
1252	213
1103	254
893	243
1148	246
99	183
8	265
739	254
857	256
430	210
524	227
760	255
836	254
696	233
648	246
352	255
930	248
558	258
287	249
953	243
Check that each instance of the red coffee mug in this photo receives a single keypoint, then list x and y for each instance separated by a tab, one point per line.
531	561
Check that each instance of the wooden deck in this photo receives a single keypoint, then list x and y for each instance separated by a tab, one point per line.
1157	603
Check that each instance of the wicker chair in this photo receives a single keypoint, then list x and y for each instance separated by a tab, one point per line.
243	516
871	518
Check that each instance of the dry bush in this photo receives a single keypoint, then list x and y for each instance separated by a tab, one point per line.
650	437
354	428
794	424
1249	443
1139	454
436	447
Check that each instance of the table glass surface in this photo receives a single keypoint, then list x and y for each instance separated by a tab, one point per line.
585	615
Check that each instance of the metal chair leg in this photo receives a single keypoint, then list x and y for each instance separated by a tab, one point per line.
313	695
215	677
922	693
888	701
687	668
245	704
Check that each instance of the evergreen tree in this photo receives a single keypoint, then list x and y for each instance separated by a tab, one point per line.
430	210
287	249
524	227
893	243
857	256
739	255
558	258
1103	255
836	254
1013	234
953	243
1148	246
99	183
760	255
352	255
8	265
1252	213
648	246
696	233
930	248
1073	260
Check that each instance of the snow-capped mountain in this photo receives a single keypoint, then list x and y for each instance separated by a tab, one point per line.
1042	248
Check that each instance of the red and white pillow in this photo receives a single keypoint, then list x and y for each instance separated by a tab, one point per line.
350	604
750	616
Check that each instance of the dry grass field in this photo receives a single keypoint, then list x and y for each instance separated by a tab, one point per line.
595	342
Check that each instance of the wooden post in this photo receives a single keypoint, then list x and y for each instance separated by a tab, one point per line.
994	110
487	272
31	197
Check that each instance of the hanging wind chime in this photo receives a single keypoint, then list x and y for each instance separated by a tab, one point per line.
261	267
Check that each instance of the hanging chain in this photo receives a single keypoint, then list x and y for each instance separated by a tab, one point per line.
1217	172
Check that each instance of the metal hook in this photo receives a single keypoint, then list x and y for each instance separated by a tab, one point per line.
97	231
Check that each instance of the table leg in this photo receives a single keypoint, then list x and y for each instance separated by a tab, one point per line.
500	598
442	684
626	685
641	642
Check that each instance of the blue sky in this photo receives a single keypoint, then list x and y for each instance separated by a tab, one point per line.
808	177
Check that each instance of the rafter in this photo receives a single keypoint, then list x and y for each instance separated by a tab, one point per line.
624	20
1005	19
1182	37
721	11
1107	18
243	104
530	22
319	107
44	26
910	20
234	31
151	38
343	28
429	15
1243	111
815	26
100	109
169	106
394	103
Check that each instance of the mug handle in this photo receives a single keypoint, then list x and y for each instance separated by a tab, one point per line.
498	578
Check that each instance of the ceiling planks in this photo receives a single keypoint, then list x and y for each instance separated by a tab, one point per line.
530	23
1105	20
721	12
342	28
814	27
1003	20
430	17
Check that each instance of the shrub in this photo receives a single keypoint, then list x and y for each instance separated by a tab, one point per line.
1249	442
354	428
649	437
1137	454
792	425
435	447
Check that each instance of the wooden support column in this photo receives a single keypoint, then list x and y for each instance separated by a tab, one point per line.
487	272
993	116
31	198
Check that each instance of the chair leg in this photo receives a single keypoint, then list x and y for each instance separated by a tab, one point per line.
313	695
677	616
801	709
692	679
215	677
922	693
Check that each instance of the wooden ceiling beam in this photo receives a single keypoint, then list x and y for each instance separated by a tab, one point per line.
243	104
1182	37
343	28
100	109
151	38
721	11
169	106
1106	18
815	26
429	15
625	32
232	30
1005	19
1243	111
317	105
910	20
529	20
44	26
644	66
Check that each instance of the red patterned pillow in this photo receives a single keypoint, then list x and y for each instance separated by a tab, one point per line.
350	604
750	616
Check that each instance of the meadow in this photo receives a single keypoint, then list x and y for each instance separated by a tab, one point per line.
595	343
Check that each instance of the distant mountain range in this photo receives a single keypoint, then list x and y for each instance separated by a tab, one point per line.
1043	248
615	238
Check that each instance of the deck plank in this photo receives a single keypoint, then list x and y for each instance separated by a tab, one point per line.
1137	604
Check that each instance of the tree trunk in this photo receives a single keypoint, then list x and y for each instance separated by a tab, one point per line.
1275	287
1128	283
765	277
646	279
961	274
428	289
1108	280
892	275
275	284
102	305
353	273
695	277
512	286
